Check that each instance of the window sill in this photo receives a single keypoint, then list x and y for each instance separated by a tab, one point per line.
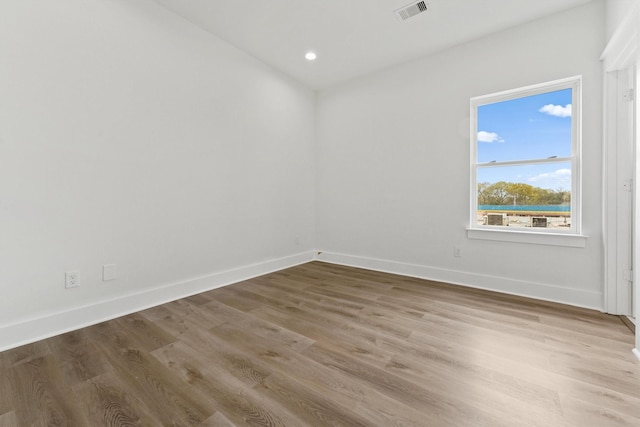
535	238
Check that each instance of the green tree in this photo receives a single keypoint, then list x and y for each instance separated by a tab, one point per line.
521	194
517	193
495	194
483	194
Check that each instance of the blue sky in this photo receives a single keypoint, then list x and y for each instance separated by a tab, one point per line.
533	127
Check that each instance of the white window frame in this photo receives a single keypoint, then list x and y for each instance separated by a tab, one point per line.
558	237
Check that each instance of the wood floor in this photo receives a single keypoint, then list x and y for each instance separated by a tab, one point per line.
324	345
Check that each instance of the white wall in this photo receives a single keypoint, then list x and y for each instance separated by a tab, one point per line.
616	11
129	136
393	162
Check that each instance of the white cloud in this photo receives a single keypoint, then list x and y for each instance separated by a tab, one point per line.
556	110
489	137
560	178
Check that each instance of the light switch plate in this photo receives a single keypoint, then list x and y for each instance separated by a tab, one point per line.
108	272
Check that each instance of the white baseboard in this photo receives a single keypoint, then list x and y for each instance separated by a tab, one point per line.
546	292
31	330
636	352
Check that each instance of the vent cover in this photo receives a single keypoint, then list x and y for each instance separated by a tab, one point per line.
410	10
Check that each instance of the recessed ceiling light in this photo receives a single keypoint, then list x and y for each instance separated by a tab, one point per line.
311	56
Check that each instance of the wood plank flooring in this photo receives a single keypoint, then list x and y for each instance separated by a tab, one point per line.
326	345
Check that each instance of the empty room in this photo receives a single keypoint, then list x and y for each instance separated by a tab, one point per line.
319	213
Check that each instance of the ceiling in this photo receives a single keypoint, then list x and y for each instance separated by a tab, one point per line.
353	37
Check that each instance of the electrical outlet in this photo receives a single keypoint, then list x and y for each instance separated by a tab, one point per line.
457	251
72	279
108	272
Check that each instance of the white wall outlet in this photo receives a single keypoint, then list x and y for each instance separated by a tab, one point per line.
72	279
108	272
457	251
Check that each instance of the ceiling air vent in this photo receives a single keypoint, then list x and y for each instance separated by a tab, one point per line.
410	10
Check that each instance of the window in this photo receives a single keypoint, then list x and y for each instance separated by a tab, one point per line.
525	161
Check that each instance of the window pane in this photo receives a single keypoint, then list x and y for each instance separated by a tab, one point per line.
536	195
531	127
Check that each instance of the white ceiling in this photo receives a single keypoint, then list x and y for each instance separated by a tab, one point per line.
353	37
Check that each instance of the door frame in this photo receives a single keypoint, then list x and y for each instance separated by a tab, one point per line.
621	234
